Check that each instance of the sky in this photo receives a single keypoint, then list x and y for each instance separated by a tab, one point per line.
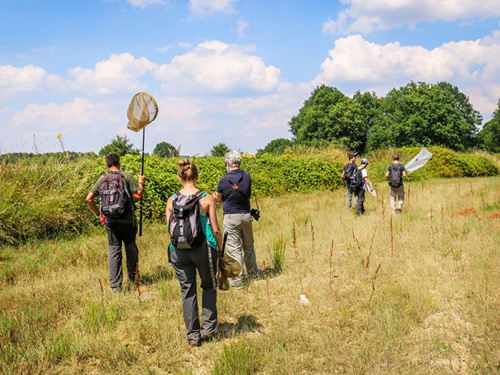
232	71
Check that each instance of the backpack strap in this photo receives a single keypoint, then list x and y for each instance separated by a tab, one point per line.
236	186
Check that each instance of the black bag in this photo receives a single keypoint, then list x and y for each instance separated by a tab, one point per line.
184	224
358	179
114	198
351	175
395	177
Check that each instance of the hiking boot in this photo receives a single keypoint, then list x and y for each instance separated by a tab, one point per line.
256	274
211	337
195	343
116	289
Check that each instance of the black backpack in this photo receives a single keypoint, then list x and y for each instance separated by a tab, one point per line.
114	198
184	224
350	173
395	177
358	180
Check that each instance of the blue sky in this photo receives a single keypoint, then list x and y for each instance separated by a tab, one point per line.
232	71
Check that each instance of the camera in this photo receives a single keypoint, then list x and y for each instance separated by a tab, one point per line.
255	214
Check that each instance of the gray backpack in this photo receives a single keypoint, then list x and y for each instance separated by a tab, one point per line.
184	224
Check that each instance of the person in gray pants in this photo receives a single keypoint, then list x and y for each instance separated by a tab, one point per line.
234	190
121	229
347	173
202	258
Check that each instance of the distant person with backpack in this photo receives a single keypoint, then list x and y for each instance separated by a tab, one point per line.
116	191
361	183
194	239
395	173
348	176
234	190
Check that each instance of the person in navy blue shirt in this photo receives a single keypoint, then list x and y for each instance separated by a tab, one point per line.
234	190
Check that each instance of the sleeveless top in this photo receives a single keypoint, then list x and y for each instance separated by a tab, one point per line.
205	224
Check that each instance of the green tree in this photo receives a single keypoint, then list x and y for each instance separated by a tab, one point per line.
420	114
330	116
219	149
276	146
489	135
119	145
165	150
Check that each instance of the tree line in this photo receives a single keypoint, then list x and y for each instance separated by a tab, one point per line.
418	114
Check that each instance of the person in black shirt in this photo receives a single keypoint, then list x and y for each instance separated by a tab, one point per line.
348	172
234	190
395	173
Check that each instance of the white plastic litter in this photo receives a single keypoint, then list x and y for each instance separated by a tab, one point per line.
304	300
419	161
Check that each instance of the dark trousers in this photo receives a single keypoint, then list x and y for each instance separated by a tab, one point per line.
360	194
118	233
185	263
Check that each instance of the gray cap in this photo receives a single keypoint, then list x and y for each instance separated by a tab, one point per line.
364	161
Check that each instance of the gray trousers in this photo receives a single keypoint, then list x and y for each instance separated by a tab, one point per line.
185	263
360	195
397	203
348	200
118	233
240	243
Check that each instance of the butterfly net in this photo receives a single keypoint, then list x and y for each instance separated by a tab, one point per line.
141	111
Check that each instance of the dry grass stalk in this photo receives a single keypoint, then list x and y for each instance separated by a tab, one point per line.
102	296
370	251
312	236
267	284
331	262
432	225
138	281
392	238
294	240
373	282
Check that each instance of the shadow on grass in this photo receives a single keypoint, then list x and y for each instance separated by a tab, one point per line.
159	273
245	324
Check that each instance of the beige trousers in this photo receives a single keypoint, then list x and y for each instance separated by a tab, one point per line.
240	242
397	204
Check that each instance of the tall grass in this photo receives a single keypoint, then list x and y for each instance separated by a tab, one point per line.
425	307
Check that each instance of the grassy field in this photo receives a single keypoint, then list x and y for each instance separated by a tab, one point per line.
412	293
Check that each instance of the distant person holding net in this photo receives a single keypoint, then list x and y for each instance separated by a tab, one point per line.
116	191
195	237
395	173
234	190
361	183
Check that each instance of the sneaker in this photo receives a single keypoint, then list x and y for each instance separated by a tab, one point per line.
195	343
256	274
116	289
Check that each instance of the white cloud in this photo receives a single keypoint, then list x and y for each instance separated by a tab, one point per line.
208	7
145	3
14	80
473	66
363	16
242	26
215	67
81	113
119	73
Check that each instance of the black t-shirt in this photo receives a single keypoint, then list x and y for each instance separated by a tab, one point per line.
235	203
396	169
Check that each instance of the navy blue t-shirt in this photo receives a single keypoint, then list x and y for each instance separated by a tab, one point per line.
235	203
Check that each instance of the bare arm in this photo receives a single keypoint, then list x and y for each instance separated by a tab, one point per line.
404	173
90	201
217	196
169	208
368	183
138	194
213	221
387	175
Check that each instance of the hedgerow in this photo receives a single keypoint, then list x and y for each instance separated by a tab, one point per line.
44	195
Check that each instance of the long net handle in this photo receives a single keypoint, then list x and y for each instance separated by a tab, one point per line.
142	173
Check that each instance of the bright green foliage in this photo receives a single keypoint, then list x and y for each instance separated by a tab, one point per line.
330	116
490	134
219	149
165	150
276	146
420	114
44	196
119	145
